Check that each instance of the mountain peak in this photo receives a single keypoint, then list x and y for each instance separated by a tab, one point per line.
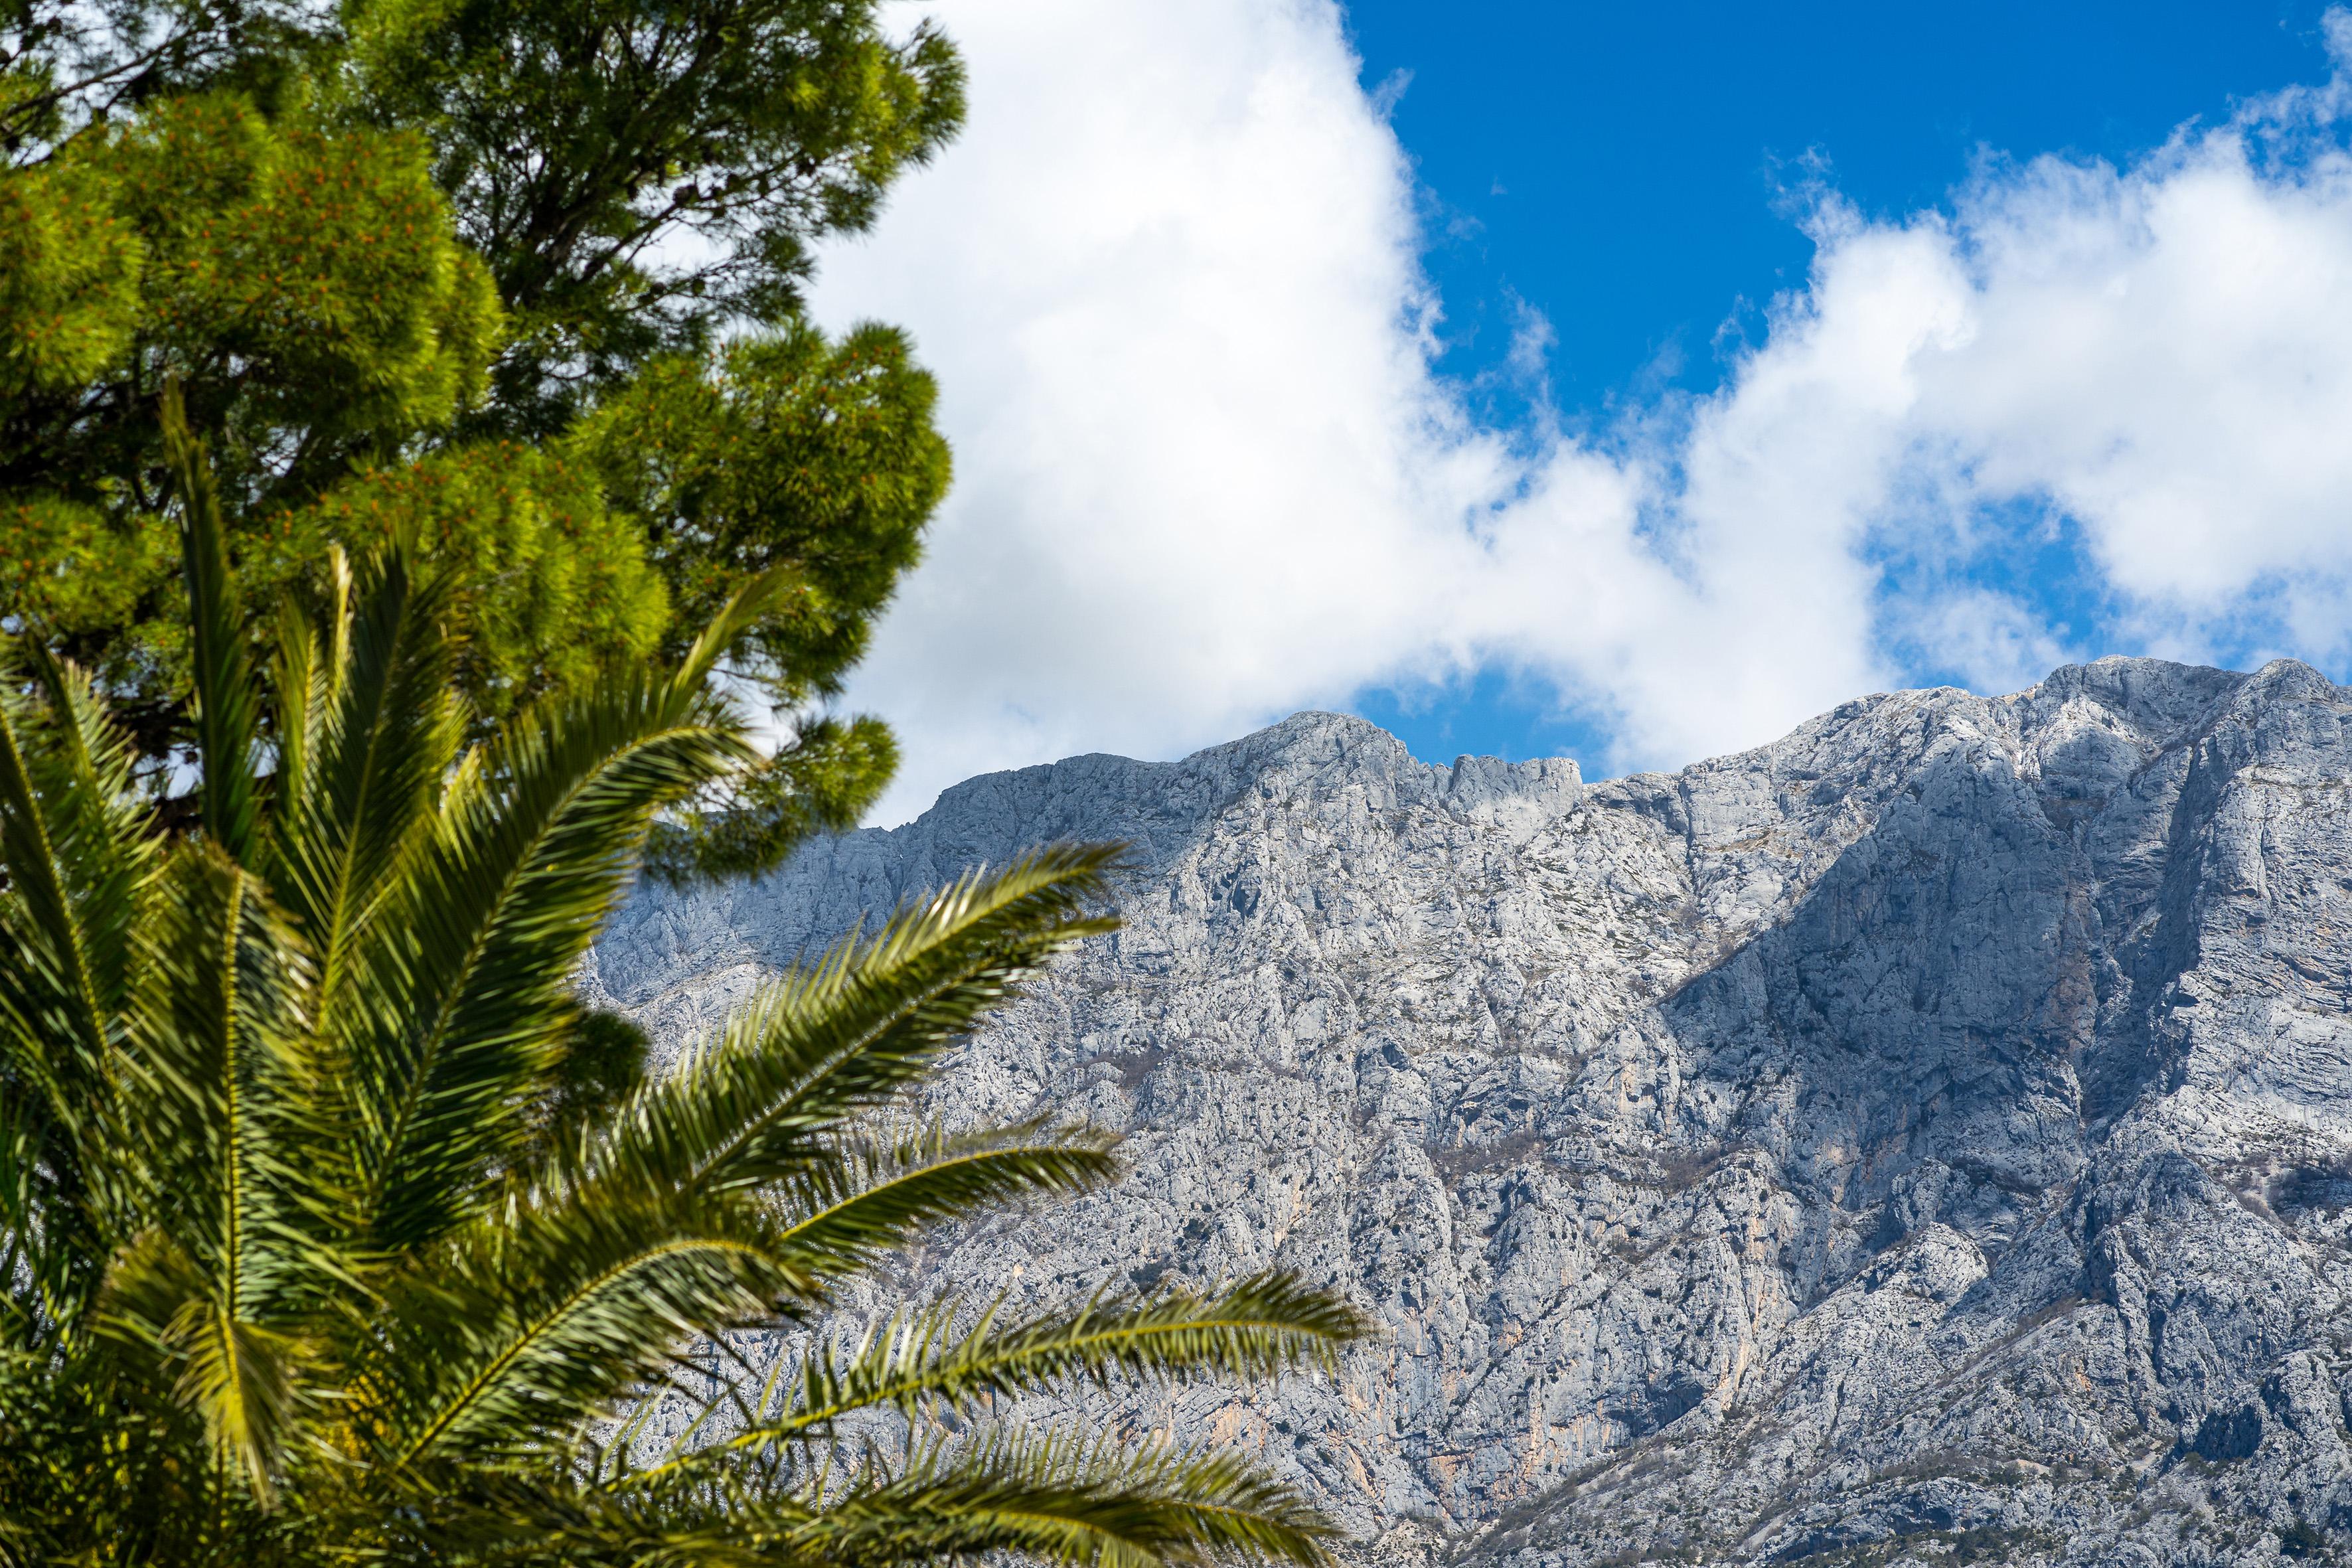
1932	1129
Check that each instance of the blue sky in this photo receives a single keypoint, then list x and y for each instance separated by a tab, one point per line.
1625	169
1625	382
1636	154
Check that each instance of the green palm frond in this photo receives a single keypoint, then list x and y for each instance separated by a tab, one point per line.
302	675
1267	1324
218	1090
102	850
78	854
227	704
540	1323
80	859
851	1033
848	1204
249	1385
1055	1497
536	840
214	1072
535	847
914	1360
27	1289
369	728
1062	1498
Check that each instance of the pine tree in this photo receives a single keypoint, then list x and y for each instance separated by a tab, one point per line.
399	257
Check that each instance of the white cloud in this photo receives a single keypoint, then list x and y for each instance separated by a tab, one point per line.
1987	638
1205	474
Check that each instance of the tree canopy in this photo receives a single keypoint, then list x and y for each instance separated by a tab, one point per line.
514	281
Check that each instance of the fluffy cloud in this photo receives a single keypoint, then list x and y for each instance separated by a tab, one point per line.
1206	474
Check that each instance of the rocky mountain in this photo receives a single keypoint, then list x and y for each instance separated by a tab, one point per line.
1927	1138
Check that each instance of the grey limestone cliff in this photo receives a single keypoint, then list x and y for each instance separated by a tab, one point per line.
1927	1137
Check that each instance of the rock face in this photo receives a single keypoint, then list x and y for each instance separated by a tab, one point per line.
1927	1138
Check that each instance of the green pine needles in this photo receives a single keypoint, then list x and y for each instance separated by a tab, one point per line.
313	1251
518	282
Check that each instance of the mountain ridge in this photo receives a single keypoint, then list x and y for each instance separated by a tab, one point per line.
1930	1133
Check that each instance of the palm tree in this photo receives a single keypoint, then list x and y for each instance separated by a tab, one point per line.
309	1253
